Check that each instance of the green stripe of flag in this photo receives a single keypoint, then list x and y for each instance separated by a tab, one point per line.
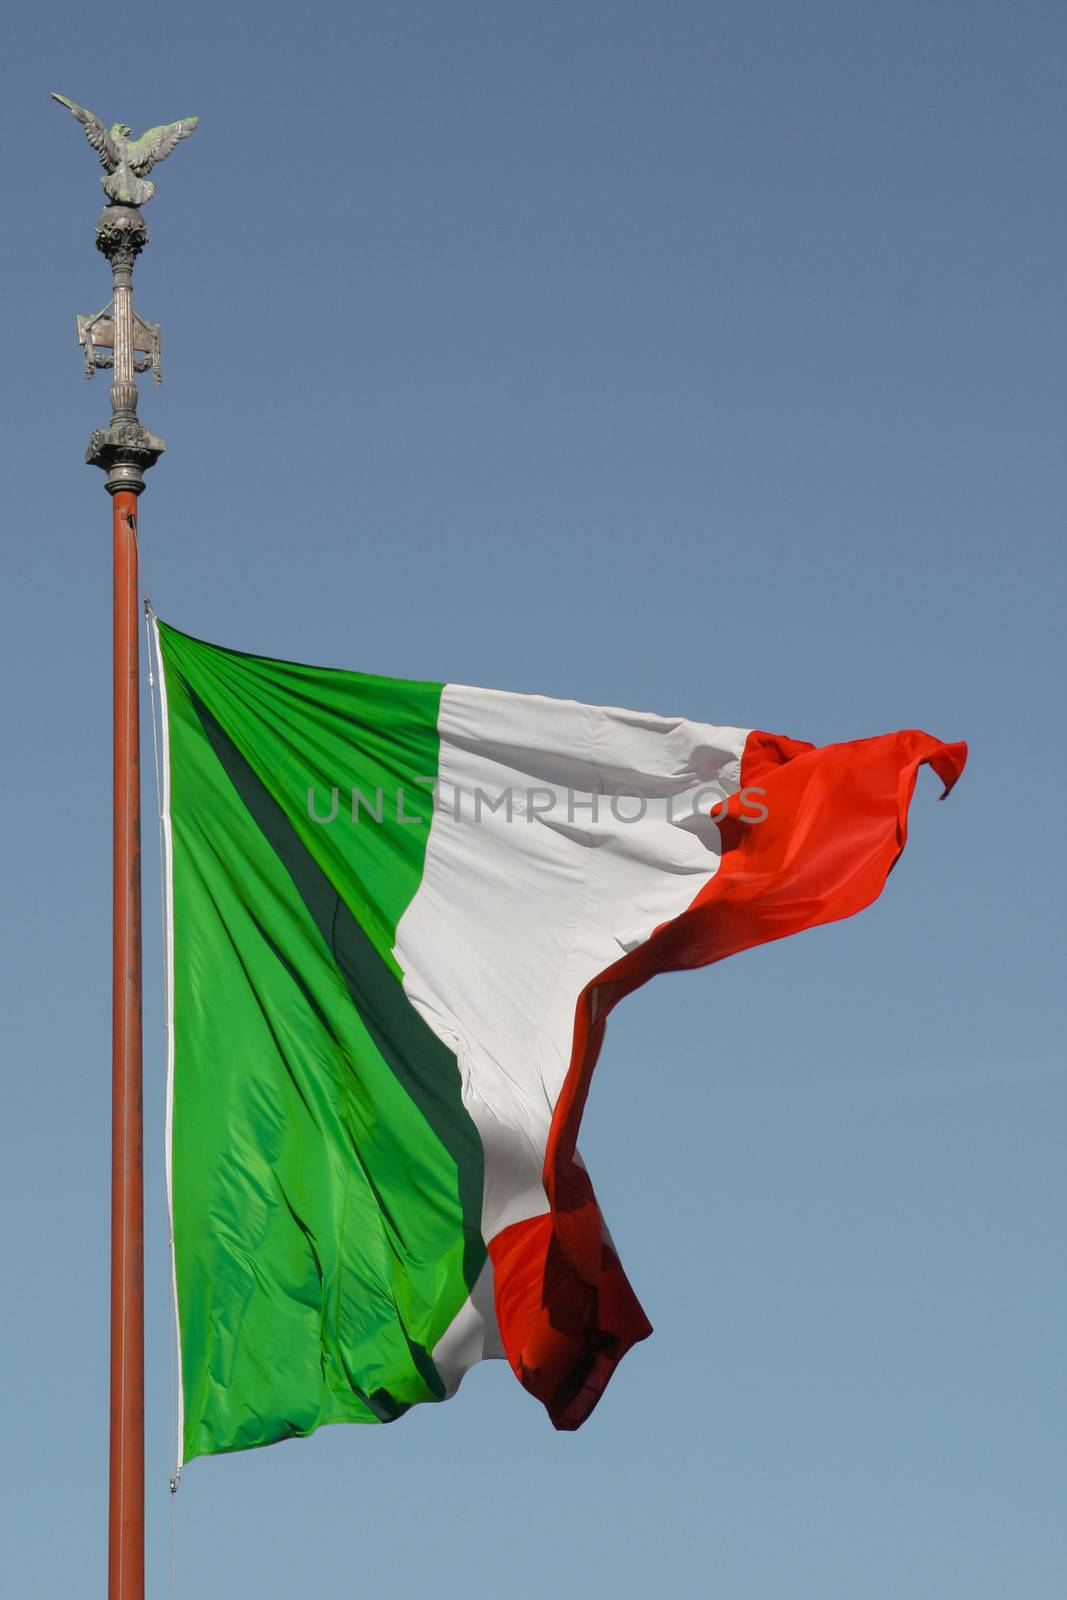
326	1178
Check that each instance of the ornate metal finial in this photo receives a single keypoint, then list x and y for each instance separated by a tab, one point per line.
117	337
127	160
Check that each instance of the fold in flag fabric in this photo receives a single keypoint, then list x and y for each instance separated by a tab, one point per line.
399	914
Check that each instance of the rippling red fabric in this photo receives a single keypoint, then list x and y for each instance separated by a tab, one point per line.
836	822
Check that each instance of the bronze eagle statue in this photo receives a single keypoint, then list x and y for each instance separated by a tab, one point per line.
125	159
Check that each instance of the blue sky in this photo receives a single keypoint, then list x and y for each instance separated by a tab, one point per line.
702	358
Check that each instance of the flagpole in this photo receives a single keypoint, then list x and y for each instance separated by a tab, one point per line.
118	338
125	450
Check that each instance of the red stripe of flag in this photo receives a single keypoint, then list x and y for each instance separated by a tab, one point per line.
836	822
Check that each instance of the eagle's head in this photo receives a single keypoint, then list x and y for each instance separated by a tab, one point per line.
122	130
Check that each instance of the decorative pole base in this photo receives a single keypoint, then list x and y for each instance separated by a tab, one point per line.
125	451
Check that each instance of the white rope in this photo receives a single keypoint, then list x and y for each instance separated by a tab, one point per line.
172	1331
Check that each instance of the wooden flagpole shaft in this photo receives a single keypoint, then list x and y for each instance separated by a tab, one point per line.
126	1516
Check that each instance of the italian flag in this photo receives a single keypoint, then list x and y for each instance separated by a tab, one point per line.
398	917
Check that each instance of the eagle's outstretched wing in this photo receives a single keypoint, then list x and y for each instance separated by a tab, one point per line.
152	146
97	135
